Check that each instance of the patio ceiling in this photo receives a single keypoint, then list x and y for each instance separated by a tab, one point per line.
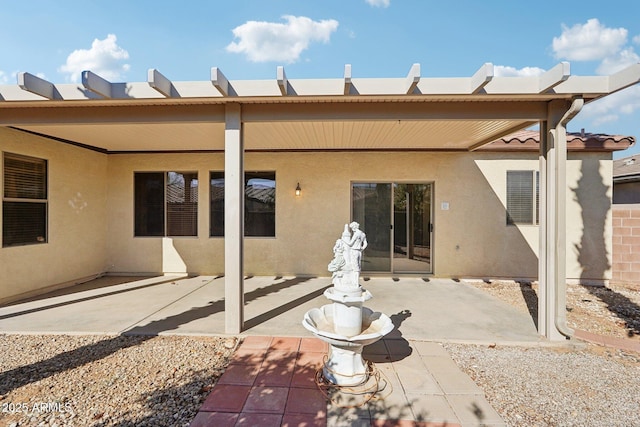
410	113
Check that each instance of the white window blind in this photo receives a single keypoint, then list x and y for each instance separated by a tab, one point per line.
522	197
166	204
24	203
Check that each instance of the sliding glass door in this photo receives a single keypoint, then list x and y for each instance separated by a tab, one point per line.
397	218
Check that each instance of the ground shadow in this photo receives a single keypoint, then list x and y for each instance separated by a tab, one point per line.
530	298
281	309
591	194
80	288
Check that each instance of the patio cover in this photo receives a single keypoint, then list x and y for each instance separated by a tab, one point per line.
349	113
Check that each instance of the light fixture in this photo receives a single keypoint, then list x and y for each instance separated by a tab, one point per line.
298	189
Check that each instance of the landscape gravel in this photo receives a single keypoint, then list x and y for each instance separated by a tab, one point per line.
62	380
576	384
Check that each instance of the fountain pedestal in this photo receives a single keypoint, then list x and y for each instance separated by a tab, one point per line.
346	325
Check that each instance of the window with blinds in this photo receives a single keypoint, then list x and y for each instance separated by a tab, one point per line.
166	204
523	201
259	204
24	200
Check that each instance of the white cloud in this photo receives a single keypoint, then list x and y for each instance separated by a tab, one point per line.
105	58
618	61
609	109
593	41
4	78
588	42
378	3
270	41
506	71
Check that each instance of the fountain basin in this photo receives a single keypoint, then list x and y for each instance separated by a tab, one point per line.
320	322
345	366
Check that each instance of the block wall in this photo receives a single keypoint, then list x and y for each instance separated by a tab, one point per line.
626	243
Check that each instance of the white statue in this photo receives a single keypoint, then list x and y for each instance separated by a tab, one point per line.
356	243
347	257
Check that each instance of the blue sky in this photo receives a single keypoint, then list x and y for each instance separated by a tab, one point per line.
247	39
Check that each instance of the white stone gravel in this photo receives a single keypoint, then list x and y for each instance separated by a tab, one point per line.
57	380
552	386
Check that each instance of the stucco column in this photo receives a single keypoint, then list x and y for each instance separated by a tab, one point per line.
233	220
552	257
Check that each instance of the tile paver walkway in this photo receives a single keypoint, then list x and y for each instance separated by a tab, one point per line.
271	382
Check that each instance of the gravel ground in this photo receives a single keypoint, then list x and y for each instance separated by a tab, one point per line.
579	385
58	380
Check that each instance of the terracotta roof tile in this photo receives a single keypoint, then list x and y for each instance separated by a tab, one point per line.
529	140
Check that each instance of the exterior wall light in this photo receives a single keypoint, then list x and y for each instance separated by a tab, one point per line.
298	190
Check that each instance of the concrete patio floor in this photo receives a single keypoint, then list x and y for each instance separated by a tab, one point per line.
279	357
421	309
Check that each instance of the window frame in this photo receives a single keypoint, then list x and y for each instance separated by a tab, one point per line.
534	196
15	199
248	176
167	208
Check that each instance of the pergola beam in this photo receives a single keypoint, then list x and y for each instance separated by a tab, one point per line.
624	78
283	83
413	78
36	85
221	83
97	84
481	78
347	79
162	84
554	76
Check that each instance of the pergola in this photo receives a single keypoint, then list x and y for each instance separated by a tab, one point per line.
374	114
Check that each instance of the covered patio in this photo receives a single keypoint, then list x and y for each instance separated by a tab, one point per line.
421	309
346	115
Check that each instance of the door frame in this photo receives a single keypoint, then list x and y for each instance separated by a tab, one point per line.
392	225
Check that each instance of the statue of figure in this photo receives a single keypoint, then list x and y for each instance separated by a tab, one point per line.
356	241
338	263
347	257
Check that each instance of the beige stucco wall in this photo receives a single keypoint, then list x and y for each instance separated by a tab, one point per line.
76	245
471	238
91	214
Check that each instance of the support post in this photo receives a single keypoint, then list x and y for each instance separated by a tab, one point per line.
552	315
233	220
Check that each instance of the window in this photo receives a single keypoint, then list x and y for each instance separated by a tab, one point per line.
259	204
166	204
24	203
523	201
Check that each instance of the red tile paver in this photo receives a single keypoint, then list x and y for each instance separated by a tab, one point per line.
281	357
226	398
285	344
259	420
304	377
218	419
313	345
256	342
303	420
620	343
248	356
275	375
306	401
312	360
271	400
240	375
